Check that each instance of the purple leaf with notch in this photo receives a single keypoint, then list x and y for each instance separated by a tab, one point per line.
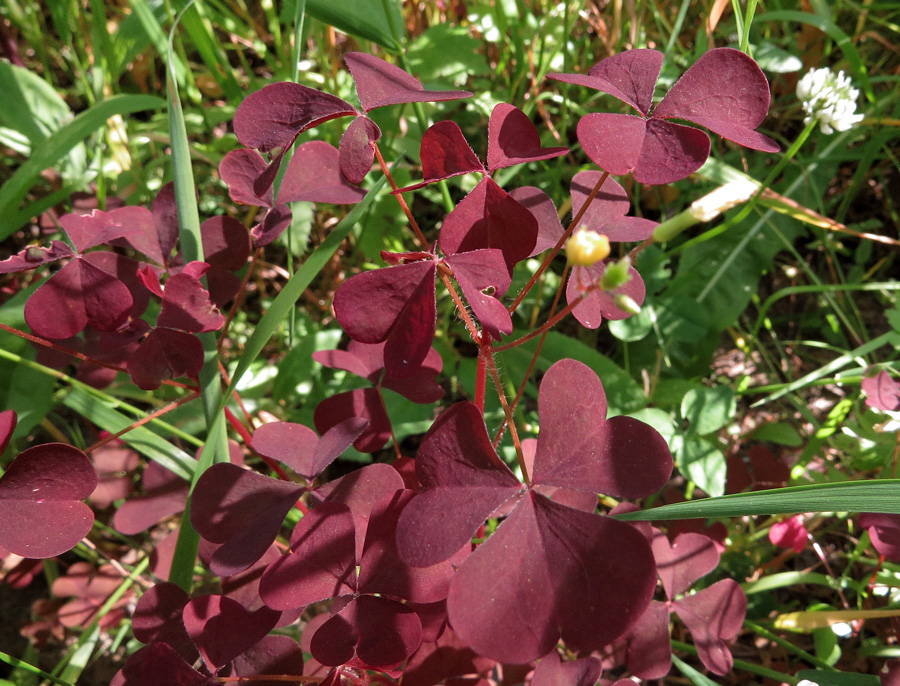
884	532
558	588
482	277
357	149
445	153
222	628
550	229
379	84
241	509
551	671
41	513
514	139
367	361
489	217
165	495
393	305
361	403
165	354
158	618
34	256
301	449
725	91
882	391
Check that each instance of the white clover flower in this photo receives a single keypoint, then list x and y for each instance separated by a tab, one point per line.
830	99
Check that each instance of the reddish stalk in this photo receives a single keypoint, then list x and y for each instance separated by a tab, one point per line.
559	244
408	212
534	358
481	376
144	420
507	411
443	272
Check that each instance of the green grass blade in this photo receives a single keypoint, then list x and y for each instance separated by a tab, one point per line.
890	338
363	18
216	447
280	308
878	495
99	411
59	144
202	39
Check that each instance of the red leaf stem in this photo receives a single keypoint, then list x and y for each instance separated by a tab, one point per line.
408	212
143	420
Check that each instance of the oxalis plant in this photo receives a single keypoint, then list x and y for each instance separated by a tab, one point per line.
450	563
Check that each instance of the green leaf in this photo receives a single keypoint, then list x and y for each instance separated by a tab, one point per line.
692	674
55	148
375	20
708	409
635	328
704	464
823	678
31	105
878	495
781	433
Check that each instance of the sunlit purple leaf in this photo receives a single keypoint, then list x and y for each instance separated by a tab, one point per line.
41	513
513	139
379	83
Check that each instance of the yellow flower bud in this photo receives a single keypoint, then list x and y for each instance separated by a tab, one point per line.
587	247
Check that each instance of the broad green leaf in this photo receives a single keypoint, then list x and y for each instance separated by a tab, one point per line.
635	328
30	105
708	409
55	148
703	463
445	52
878	495
375	20
781	433
823	678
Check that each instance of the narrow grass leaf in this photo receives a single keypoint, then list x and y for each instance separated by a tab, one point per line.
878	495
286	300
361	18
55	148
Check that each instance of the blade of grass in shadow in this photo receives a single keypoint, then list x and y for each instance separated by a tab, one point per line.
216	447
878	495
280	308
57	146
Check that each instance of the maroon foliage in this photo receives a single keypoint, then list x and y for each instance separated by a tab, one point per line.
725	91
165	495
551	671
713	615
557	588
41	513
884	531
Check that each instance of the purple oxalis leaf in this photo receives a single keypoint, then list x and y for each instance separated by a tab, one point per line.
357	149
226	243
379	84
301	449
272	655
884	532
78	295
882	391
489	217
551	671
158	618
34	256
41	513
579	448
681	563
361	403
550	229
599	304
241	509
545	574
606	214
367	360
513	139
222	628
87	231
482	277
725	91
714	616
165	495
165	354
445	153
395	305
314	175
8	420
321	563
